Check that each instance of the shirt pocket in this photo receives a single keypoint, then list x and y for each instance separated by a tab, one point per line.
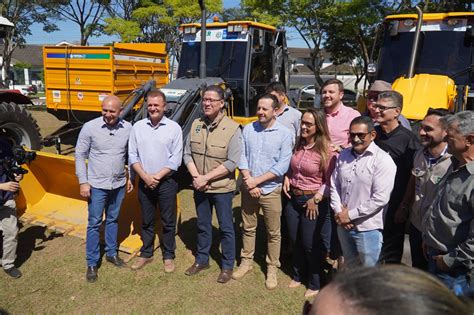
218	149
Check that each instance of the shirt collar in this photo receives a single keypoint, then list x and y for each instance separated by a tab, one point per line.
163	121
117	125
285	109
370	149
340	108
431	160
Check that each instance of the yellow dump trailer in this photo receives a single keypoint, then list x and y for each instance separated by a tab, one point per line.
49	197
77	78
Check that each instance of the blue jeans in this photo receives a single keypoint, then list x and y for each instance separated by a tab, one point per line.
459	280
223	205
101	199
310	239
360	247
163	196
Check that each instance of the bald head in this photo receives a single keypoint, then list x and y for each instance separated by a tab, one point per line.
111	108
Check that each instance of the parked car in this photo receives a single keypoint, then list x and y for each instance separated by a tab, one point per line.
308	94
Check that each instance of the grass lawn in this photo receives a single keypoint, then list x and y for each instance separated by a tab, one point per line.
54	268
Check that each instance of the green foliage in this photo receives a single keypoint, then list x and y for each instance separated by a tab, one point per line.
127	30
22	65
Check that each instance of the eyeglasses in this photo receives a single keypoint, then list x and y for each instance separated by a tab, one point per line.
210	100
383	108
360	135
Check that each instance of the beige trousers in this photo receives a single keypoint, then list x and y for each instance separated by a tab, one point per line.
271	208
9	228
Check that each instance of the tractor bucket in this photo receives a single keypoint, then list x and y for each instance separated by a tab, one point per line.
49	197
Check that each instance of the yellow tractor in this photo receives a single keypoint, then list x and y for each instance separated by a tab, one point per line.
428	58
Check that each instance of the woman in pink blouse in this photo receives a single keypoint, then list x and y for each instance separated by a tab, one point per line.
307	211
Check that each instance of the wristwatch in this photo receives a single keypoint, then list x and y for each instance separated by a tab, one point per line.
316	199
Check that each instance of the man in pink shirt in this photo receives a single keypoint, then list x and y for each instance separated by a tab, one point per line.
338	116
361	184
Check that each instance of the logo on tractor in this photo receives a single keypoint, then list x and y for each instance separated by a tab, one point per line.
78	80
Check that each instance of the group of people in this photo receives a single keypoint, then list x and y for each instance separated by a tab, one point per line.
334	182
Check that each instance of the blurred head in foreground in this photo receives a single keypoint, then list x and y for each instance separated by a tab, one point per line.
387	290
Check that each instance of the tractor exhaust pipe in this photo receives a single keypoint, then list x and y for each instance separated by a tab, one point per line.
202	65
411	69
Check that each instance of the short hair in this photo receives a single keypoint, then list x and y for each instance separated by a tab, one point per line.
275	103
363	120
156	93
275	87
464	120
394	289
339	83
215	88
394	97
440	112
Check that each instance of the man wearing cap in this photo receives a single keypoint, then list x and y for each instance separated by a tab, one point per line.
372	94
402	145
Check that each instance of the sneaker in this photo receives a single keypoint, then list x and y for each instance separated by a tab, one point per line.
242	271
169	265
13	272
271	282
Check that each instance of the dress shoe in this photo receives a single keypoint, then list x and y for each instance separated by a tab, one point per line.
241	271
91	274
310	293
115	260
195	269
224	276
271	282
140	262
169	265
13	272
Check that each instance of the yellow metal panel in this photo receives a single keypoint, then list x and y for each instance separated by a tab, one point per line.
424	91
244	120
78	77
430	16
49	197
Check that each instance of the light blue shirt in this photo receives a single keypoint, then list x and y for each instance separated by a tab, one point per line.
266	150
105	148
156	147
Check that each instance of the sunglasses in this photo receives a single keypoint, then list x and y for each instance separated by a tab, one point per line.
360	135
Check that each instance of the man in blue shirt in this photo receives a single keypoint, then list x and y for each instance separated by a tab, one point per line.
155	153
265	157
103	142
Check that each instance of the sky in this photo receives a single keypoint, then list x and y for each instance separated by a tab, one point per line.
69	31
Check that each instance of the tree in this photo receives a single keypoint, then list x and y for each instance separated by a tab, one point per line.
351	30
87	14
22	13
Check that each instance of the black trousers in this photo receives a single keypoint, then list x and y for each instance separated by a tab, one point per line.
163	197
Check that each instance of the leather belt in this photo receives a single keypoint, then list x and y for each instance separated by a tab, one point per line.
300	192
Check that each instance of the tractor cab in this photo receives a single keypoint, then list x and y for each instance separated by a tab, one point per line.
246	55
431	65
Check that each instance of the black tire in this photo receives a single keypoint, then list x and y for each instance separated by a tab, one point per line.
17	123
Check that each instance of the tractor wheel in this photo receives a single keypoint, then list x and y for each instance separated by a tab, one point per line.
17	123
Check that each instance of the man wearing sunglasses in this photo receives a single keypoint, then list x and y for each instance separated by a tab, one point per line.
360	190
372	94
401	144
